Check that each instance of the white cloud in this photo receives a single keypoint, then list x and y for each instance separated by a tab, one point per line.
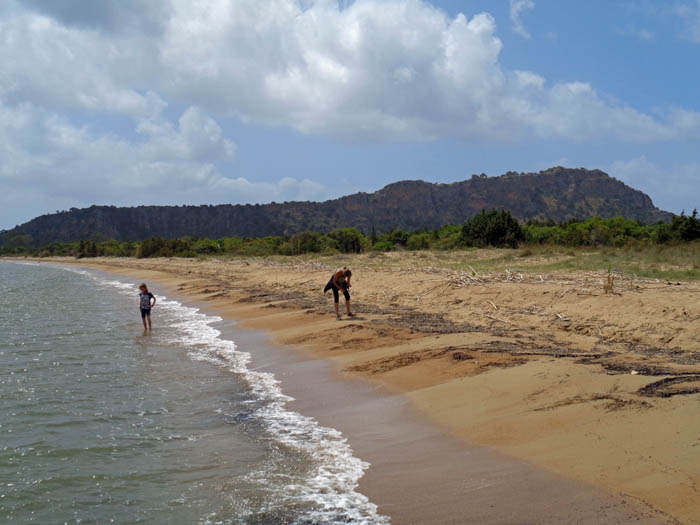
690	13
387	69
516	10
320	71
673	188
371	69
61	165
64	67
645	34
637	32
117	16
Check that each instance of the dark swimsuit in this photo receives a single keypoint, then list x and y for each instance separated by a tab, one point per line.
145	304
331	286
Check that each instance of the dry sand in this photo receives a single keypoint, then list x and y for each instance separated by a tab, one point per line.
598	387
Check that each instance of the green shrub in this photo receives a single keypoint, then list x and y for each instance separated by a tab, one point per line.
398	237
231	244
150	247
348	240
383	246
305	242
261	246
686	228
87	249
419	241
614	231
206	247
447	237
492	228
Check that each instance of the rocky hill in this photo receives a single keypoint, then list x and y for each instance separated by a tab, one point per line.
558	194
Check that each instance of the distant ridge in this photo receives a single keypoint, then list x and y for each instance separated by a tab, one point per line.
555	194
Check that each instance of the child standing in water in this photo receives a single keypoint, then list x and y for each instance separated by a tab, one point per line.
146	301
340	280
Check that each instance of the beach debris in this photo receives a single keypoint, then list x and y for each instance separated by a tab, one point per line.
461	356
424	322
634	373
491	317
609	285
672	386
612	402
587	284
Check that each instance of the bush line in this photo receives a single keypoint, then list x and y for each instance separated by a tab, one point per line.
489	228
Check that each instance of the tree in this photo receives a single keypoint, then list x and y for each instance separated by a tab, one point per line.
150	247
306	242
347	240
91	249
399	237
682	228
493	228
689	227
373	236
206	247
19	242
418	241
86	249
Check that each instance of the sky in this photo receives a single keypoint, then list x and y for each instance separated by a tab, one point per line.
126	102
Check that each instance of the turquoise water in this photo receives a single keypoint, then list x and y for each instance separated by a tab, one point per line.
102	424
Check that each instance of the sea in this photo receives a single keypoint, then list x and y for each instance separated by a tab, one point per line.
101	423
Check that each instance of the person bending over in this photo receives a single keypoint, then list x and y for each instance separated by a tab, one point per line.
340	280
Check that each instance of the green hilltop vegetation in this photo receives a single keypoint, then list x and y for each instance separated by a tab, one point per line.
486	229
558	194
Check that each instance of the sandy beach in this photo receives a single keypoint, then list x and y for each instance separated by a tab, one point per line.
564	403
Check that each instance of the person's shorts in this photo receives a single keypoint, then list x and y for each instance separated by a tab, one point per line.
145	312
332	286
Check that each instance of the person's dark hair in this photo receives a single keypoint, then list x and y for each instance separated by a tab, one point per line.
142	286
347	272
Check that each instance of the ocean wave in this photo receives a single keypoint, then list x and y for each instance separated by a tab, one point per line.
330	488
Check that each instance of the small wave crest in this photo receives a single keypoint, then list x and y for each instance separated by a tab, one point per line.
330	487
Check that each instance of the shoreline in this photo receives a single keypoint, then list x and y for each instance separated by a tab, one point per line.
446	479
418	474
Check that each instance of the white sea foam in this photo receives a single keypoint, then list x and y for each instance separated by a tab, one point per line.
331	486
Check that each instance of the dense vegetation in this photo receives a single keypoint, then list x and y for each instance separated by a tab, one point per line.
557	194
489	228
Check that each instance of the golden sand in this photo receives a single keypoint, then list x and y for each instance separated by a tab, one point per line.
599	387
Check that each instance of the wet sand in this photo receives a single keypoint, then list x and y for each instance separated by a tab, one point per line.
420	475
386	389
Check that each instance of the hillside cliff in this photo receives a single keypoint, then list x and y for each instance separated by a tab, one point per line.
557	194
